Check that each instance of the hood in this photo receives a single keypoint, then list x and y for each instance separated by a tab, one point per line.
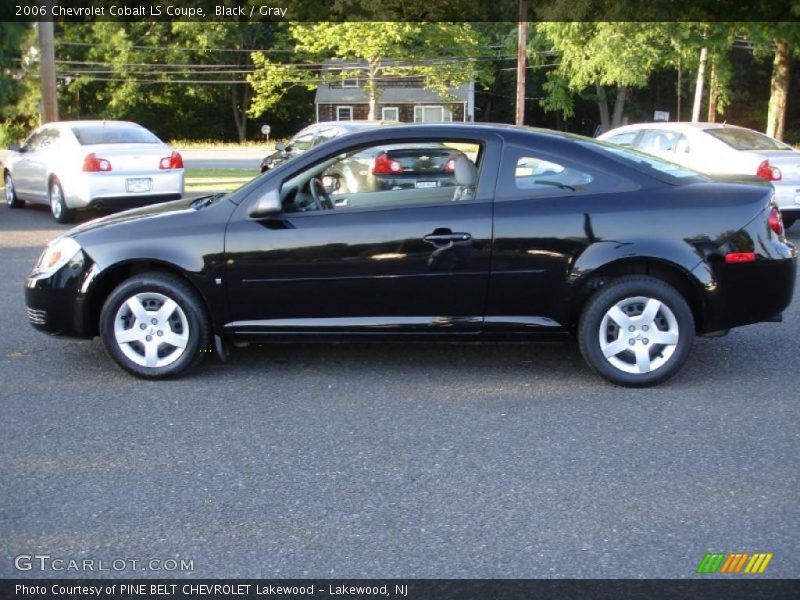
163	210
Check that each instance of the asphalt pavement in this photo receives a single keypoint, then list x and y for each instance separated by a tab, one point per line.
392	460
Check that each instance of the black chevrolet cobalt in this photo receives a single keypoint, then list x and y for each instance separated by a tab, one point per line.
538	233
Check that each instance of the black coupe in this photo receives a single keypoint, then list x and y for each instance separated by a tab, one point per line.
543	233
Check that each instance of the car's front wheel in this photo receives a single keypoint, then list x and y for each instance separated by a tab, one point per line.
58	206
12	199
636	331
155	326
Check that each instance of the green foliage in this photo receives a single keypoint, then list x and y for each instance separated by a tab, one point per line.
19	94
386	49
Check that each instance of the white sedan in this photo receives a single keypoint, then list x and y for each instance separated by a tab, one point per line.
720	149
71	165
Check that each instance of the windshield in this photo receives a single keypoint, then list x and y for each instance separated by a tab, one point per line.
642	160
746	139
89	135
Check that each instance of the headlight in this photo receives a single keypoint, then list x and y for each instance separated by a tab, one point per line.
58	253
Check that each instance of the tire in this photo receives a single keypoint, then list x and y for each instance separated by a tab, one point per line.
138	350
58	207
12	199
643	362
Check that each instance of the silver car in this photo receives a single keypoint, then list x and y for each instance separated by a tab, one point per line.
73	165
721	149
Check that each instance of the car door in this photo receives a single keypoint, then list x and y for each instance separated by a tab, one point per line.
25	167
399	261
40	163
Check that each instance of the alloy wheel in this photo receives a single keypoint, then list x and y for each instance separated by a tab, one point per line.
151	329
639	334
9	185
55	200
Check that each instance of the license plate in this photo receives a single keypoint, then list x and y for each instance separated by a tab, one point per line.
138	185
427	184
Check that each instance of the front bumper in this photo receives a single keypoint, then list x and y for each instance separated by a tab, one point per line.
58	304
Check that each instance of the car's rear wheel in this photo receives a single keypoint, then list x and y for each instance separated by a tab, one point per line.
155	326
636	331
58	206
12	199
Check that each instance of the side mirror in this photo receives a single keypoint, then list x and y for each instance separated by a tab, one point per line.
15	147
268	204
280	147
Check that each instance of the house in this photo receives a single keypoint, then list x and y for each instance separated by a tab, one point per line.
402	97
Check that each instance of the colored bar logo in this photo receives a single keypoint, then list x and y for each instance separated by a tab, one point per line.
734	562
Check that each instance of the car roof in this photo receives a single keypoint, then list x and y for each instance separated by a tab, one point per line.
89	123
683	126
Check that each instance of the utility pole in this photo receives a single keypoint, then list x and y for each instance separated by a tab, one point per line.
522	42
47	71
698	90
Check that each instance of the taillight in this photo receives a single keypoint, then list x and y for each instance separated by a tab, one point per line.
776	221
450	166
768	172
740	257
173	161
93	164
385	165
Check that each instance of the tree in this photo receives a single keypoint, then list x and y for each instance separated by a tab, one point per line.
780	40
443	54
19	110
599	55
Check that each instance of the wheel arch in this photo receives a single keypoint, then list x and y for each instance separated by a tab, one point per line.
110	277
676	275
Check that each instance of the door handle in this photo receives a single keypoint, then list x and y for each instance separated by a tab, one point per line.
342	202
444	238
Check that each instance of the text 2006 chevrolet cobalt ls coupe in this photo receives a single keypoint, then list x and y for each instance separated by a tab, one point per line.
538	233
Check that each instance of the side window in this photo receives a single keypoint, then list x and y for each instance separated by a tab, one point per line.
302	142
34	141
325	135
388	176
49	138
659	142
526	173
623	139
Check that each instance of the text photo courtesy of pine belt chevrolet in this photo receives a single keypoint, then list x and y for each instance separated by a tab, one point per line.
543	234
71	165
721	149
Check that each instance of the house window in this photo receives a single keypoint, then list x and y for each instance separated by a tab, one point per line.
344	113
432	114
350	82
390	113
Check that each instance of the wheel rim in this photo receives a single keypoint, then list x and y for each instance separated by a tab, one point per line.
55	200
639	335
9	190
151	330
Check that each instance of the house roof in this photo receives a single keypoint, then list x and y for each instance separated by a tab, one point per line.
327	95
388	95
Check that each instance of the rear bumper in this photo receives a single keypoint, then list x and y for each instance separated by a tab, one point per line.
787	195
746	293
111	189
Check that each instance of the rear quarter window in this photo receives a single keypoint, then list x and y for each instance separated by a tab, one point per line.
526	173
